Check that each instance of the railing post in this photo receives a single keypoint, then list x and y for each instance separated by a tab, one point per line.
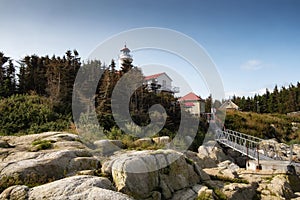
247	159
258	167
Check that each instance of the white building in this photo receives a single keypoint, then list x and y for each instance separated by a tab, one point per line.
158	82
229	105
161	83
125	56
192	103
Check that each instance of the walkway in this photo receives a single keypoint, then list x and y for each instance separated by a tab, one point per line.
246	144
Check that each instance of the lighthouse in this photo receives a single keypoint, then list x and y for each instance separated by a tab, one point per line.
125	58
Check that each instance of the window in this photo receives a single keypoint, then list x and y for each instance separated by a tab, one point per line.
164	84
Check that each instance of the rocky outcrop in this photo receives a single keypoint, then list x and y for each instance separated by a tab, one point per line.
161	171
277	150
16	192
143	142
21	165
108	147
4	144
73	170
280	186
77	187
224	169
211	154
161	140
238	191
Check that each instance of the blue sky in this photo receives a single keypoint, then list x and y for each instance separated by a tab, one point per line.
254	44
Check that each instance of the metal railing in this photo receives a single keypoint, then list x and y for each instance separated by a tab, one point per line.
245	144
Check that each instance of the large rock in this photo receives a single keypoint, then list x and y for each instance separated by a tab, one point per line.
211	154
4	144
43	167
198	162
77	187
203	192
281	187
238	191
225	169
184	194
67	156
161	140
16	192
146	172
108	147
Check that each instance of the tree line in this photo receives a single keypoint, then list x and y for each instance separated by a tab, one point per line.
283	100
49	81
50	77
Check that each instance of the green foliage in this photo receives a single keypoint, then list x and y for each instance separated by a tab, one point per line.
204	196
114	134
283	100
201	133
29	114
228	179
220	195
265	126
42	144
295	141
30	180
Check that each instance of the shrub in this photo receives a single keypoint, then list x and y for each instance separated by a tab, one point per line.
42	144
265	126
26	114
30	180
229	180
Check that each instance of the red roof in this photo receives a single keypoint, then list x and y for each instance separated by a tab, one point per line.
153	76
190	97
125	49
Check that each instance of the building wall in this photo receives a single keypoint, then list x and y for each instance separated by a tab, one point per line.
168	81
197	109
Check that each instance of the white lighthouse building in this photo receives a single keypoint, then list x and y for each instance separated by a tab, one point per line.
125	57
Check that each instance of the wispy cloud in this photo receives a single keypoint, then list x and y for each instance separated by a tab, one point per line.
252	65
261	91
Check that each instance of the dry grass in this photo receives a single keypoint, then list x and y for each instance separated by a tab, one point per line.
266	126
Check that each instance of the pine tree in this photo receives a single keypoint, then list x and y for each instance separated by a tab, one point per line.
126	66
3	60
21	86
208	104
298	96
273	101
10	78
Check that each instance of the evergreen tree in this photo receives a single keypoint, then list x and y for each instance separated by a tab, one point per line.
7	76
208	104
10	81
126	66
3	60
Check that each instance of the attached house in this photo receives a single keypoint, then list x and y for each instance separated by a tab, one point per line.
192	103
229	105
160	83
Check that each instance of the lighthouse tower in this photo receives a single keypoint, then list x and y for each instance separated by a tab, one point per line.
125	58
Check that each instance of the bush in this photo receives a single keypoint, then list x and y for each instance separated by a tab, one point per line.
30	180
228	179
26	114
265	126
42	144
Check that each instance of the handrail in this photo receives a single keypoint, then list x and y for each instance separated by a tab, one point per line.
245	144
